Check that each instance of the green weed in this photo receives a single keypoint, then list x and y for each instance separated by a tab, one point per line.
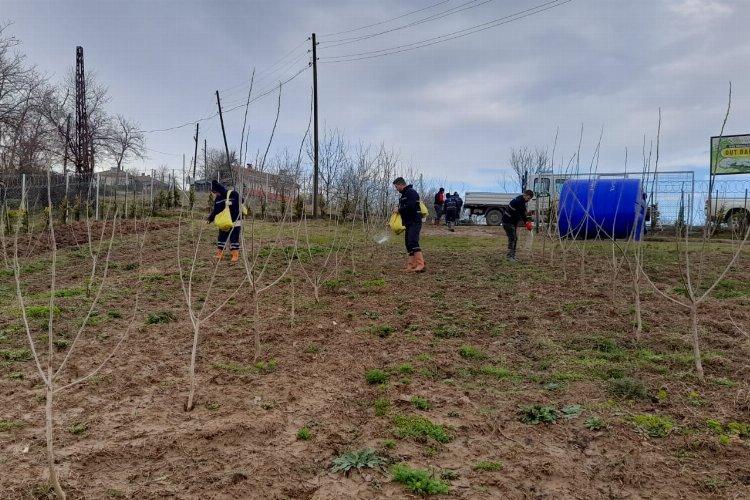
15	354
376	376
419	481
160	317
304	434
570	412
536	414
595	424
471	352
447	332
362	459
653	425
494	371
420	403
9	425
382	331
78	428
40	312
405	368
627	388
420	428
381	407
260	367
487	466
375	283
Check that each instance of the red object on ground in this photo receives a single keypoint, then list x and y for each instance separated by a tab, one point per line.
529	225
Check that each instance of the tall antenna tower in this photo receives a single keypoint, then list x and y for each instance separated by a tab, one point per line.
83	146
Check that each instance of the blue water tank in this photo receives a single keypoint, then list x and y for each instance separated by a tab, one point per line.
606	208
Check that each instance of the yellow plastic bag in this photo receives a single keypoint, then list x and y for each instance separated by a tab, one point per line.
396	224
423	209
224	220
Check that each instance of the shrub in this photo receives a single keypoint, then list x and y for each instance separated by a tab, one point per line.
362	459
653	425
627	388
376	376
418	481
419	428
537	414
485	466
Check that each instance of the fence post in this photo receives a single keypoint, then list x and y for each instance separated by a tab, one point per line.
126	195
96	210
153	173
23	192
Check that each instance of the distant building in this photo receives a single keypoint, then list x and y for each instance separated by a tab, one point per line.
257	184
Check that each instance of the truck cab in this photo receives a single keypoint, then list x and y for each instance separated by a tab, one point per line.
546	189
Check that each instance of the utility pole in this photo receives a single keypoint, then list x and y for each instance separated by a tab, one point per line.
315	125
205	160
224	134
195	154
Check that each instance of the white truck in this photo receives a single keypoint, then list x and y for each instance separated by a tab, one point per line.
734	212
491	205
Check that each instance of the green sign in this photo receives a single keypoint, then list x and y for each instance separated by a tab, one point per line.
730	154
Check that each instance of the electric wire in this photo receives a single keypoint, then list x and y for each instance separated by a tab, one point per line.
386	21
445	37
471	4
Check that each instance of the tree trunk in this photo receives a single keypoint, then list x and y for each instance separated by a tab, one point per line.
50	449
191	376
696	345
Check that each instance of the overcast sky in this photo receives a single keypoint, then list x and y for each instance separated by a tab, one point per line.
453	110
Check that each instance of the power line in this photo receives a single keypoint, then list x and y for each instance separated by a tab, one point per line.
471	4
446	37
268	68
386	21
230	109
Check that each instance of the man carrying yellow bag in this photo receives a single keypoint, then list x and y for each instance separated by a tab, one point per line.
410	210
226	216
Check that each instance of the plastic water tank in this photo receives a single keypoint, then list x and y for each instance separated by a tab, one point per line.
606	208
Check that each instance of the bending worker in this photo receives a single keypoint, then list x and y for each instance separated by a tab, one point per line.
514	213
220	203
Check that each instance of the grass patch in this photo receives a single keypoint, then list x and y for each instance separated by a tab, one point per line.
420	428
376	283
595	424
257	368
382	331
420	403
161	317
493	371
405	368
376	376
362	459
15	354
627	388
447	332
381	407
471	352
487	466
653	425
9	425
40	312
419	481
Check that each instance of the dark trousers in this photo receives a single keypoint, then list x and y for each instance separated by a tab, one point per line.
438	213
512	232
411	237
234	238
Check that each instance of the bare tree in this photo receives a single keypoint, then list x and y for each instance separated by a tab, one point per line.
126	141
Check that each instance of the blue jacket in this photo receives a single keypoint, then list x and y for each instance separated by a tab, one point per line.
516	211
408	206
221	199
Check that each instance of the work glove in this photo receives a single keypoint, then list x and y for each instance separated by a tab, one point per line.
529	226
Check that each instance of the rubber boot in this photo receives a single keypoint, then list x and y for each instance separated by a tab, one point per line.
235	255
418	263
219	254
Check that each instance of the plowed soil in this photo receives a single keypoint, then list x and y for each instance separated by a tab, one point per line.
479	339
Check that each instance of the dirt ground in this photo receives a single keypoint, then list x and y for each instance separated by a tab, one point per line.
470	345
